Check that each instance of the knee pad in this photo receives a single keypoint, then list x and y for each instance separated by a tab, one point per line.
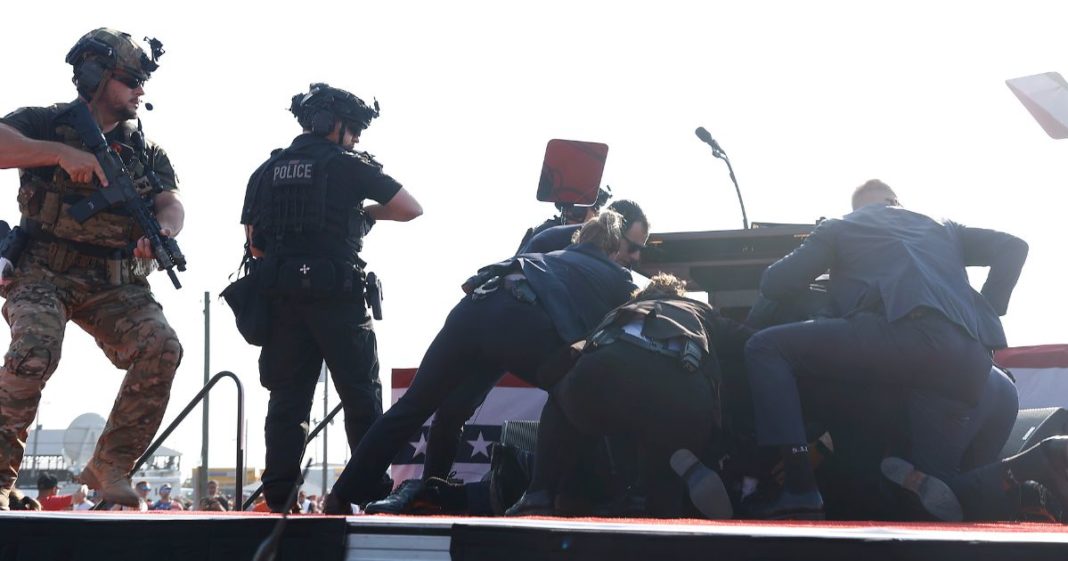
34	362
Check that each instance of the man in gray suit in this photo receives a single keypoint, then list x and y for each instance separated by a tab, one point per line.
903	316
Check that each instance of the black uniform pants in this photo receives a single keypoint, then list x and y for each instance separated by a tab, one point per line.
480	341
303	334
624	389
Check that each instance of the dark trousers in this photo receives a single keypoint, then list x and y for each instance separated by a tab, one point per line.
928	352
623	389
961	444
480	341
303	334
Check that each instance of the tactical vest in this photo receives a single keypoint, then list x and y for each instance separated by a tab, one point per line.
46	195
300	211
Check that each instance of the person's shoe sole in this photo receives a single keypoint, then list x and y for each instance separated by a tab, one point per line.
934	495
707	492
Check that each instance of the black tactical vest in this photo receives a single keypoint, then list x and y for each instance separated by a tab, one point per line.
300	211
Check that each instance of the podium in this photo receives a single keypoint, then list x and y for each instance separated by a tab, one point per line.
727	264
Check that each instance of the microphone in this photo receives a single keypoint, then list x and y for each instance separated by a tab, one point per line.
706	137
148	107
718	152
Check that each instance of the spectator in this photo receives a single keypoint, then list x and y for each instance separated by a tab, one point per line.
213	493
212	504
143	489
80	499
47	485
165	502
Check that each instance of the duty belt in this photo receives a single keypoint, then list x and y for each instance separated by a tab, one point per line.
690	355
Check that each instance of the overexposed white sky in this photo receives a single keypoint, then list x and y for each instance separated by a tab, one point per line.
809	99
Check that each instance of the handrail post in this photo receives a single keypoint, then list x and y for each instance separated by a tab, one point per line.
240	475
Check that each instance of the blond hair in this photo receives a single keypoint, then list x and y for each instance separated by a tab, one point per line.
605	231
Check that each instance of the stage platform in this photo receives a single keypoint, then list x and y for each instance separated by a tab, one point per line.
235	536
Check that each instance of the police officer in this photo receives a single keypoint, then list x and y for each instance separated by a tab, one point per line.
651	369
92	272
570	215
305	218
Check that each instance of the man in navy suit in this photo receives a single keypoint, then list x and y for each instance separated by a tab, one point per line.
903	316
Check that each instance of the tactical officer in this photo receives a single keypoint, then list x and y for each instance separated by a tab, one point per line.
570	215
650	369
521	312
305	218
92	272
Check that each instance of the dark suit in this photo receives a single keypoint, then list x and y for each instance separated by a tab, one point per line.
905	315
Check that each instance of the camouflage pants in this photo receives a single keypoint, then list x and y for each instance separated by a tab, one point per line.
126	322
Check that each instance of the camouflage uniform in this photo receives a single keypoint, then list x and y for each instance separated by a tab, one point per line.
71	271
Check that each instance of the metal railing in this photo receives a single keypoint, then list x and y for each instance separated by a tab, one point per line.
240	462
311	436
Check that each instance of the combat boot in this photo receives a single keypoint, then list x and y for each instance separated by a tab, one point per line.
112	483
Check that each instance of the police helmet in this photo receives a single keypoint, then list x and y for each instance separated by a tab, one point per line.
106	51
323	105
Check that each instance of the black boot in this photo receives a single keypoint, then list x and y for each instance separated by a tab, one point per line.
533	503
398	502
1046	463
933	496
799	499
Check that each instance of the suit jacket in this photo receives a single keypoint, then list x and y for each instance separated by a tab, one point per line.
892	261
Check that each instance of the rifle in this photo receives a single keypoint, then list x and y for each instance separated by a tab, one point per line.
121	191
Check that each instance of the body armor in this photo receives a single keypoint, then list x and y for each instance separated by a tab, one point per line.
46	195
300	210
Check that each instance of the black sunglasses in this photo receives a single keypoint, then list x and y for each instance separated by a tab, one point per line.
633	247
129	81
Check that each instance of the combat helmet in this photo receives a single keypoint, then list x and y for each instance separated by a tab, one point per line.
318	109
105	53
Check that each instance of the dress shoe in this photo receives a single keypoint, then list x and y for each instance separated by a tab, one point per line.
533	503
786	506
932	494
112	484
399	501
1046	463
335	505
433	495
704	485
